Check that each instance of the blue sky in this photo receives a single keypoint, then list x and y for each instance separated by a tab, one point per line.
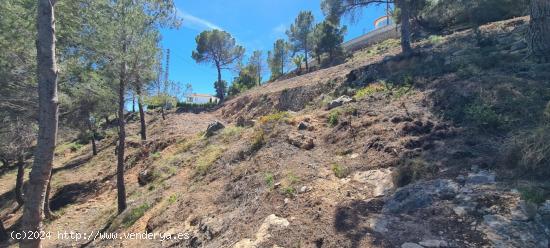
255	24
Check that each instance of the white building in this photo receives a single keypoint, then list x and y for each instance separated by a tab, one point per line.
201	99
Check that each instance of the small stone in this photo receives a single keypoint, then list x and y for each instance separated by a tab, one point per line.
287	201
411	245
460	210
303	189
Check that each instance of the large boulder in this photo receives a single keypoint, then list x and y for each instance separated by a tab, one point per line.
339	102
145	176
212	128
421	195
301	141
379	181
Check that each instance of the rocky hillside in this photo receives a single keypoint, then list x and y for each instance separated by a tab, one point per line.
445	148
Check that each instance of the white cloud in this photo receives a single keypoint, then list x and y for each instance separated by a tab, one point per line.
193	22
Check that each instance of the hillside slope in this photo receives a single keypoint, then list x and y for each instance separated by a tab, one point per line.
418	158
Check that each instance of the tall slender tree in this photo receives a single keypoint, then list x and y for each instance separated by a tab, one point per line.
300	32
278	58
256	63
47	121
219	48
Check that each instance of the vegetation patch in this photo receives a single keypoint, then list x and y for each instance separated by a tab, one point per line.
289	185
281	116
134	214
339	170
229	133
532	194
333	118
207	157
369	90
410	170
258	140
269	180
529	152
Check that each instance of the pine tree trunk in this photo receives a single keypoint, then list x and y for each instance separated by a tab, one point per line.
306	57
133	103
220	91
94	146
121	187
405	26
539	30
19	182
47	122
143	130
47	211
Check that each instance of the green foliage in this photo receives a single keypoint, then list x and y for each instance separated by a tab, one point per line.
410	170
532	194
221	88
289	185
192	106
159	101
246	80
333	118
327	39
258	140
269	180
339	170
483	116
172	199
300	32
529	152
281	116
155	155
206	158
369	90
219	48
298	60
278	58
135	214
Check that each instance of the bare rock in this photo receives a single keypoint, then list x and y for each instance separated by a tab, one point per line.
145	176
212	128
339	102
434	243
271	223
380	181
411	245
301	141
482	177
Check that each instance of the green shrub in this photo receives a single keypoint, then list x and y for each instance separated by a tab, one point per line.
333	118
269	180
281	116
532	194
155	155
258	140
483	116
410	170
529	152
172	199
339	170
75	146
369	90
133	215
